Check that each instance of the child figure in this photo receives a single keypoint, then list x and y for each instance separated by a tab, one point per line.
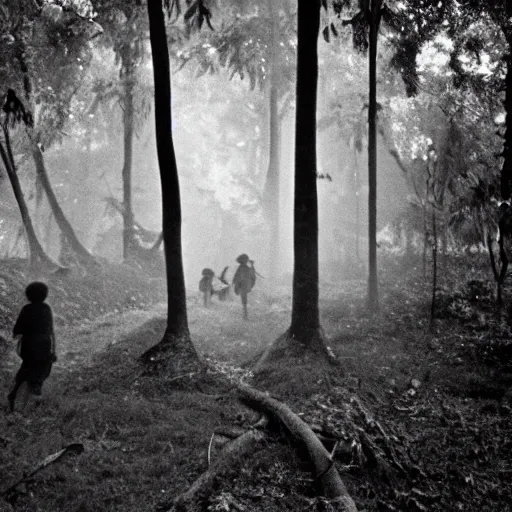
244	280
35	326
206	285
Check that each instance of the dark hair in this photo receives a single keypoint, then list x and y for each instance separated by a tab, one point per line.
242	259
36	291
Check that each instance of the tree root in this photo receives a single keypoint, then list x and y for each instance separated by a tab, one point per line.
324	469
286	345
174	356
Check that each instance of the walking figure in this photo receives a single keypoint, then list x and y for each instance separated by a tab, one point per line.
244	279
211	285
36	345
206	285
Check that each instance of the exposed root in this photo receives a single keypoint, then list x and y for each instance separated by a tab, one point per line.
174	357
324	469
287	346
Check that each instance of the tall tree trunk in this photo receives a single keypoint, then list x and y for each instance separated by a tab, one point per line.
373	291
434	267
305	312
506	171
271	192
128	231
357	196
37	255
177	336
304	339
83	256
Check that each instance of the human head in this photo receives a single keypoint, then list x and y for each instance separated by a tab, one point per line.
242	259
36	292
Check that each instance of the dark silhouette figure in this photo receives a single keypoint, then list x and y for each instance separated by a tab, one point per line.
244	279
210	285
37	351
206	285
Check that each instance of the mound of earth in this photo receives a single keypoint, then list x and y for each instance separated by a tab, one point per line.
76	296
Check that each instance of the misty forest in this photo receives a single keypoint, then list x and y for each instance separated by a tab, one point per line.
254	255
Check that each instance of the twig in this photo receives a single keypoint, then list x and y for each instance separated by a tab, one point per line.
182	376
210	448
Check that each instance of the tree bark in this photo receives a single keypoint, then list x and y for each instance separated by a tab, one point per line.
305	312
272	185
177	336
128	218
82	254
373	290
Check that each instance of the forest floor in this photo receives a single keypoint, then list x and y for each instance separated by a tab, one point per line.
422	413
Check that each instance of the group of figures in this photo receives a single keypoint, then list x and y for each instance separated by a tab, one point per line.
243	282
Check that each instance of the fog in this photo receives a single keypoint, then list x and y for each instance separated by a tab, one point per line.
221	142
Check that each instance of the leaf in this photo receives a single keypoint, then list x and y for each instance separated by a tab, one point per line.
326	34
324	4
190	11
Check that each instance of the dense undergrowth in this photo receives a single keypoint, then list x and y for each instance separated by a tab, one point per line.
417	415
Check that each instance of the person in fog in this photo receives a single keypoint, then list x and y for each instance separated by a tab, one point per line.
244	279
36	345
206	285
210	285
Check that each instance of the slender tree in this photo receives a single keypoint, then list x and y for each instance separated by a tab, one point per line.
373	288
272	183
49	97
78	252
305	334
176	340
15	113
125	26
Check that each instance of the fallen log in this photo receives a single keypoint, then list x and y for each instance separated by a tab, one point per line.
234	454
325	472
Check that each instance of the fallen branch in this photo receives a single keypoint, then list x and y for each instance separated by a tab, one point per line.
324	468
234	454
73	448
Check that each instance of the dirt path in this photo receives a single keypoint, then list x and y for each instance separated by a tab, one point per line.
218	331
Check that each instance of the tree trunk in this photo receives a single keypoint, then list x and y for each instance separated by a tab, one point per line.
357	196
304	340
434	267
37	255
506	170
177	336
83	256
373	291
305	313
271	192
128	232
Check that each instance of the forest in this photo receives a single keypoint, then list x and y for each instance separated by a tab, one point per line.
276	238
